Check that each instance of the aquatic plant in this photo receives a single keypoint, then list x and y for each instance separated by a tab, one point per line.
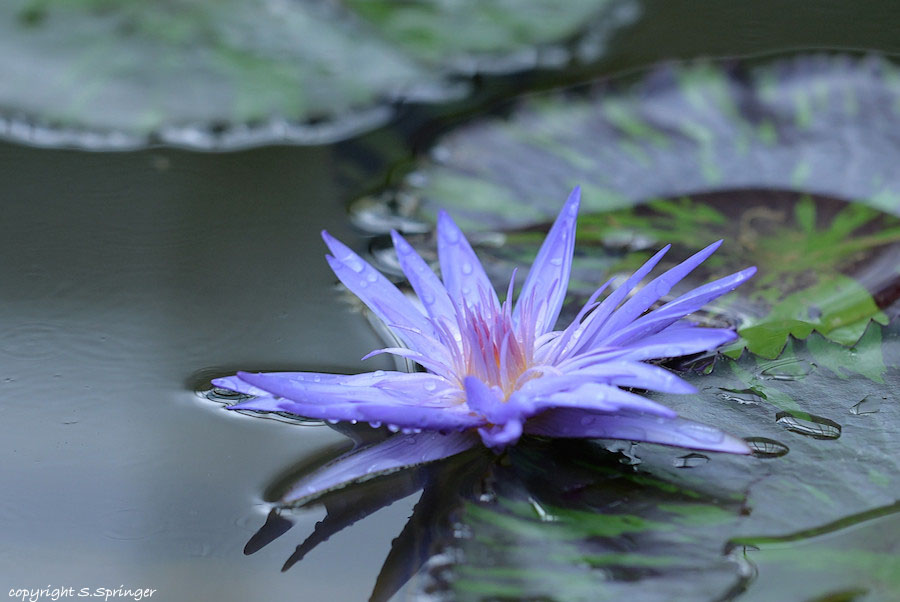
499	370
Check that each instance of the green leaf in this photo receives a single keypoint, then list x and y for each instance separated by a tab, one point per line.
677	130
224	73
565	520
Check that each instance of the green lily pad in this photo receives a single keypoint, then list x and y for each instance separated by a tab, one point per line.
813	514
819	124
104	73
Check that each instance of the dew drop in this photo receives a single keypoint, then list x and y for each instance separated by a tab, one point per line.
317	378
430	386
378	373
333	421
354	421
867	405
466	268
427	298
375	424
763	447
363	284
810	425
372	276
557	261
740	396
355	263
393	428
787	369
691	460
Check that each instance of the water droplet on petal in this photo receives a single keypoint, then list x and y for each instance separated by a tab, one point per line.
333	421
466	268
763	447
375	424
557	261
363	284
355	263
810	425
372	276
430	386
378	373
691	460
393	428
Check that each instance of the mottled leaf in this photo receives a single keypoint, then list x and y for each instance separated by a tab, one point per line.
114	74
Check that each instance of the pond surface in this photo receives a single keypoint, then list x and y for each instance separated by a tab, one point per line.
128	280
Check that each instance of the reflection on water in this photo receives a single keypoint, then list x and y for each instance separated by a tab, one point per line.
122	276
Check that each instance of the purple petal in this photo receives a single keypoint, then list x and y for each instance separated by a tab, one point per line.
363	404
652	292
387	456
677	432
463	274
485	401
428	286
548	277
382	297
309	387
595	320
601	398
637	375
677	341
676	309
499	437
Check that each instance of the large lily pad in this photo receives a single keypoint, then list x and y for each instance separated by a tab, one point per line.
817	501
820	124
107	73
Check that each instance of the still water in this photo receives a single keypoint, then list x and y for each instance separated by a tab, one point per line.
124	276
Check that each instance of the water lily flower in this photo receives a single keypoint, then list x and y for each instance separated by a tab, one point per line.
494	371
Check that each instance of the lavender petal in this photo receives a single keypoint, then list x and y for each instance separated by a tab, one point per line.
463	274
382	297
676	309
678	341
548	277
652	292
678	432
395	453
425	283
597	318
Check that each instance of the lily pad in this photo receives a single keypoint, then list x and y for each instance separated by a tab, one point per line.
820	124
114	74
817	501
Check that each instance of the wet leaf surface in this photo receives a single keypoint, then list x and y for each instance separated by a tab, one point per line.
207	74
817	520
812	123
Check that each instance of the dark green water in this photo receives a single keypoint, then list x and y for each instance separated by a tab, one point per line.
128	280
